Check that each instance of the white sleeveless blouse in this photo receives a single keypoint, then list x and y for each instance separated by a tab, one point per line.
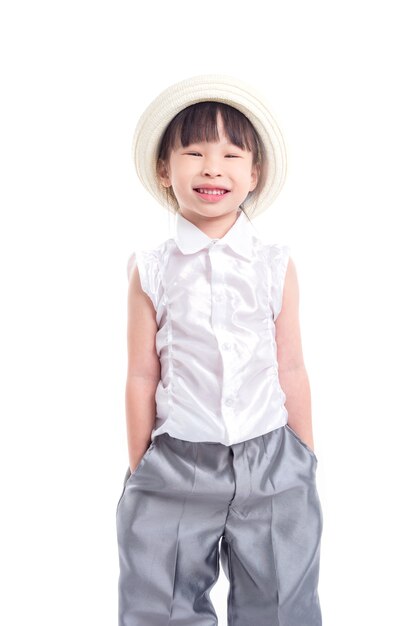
215	303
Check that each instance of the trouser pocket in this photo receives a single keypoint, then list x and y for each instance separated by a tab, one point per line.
141	461
130	475
302	443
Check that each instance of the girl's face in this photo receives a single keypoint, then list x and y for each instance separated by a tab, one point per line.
209	178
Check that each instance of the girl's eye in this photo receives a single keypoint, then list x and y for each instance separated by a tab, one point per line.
198	154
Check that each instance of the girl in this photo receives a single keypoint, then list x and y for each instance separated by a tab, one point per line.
221	457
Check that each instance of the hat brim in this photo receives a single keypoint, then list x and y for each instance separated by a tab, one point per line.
218	88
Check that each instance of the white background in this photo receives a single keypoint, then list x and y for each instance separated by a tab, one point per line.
75	76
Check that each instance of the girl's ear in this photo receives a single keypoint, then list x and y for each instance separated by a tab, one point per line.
163	174
255	175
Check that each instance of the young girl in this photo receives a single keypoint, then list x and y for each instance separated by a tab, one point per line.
221	457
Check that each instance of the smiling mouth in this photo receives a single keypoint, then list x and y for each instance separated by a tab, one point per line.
212	192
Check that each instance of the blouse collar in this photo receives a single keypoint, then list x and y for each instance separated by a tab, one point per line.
189	238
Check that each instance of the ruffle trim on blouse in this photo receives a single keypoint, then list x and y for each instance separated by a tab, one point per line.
279	258
149	272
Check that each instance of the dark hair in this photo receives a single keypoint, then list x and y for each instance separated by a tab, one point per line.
198	122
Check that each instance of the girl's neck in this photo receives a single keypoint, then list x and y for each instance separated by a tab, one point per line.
214	227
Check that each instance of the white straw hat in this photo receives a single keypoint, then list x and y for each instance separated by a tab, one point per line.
219	88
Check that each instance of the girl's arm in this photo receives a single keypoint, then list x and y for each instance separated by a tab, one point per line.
292	372
143	370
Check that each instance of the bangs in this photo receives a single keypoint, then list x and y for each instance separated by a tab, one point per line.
198	122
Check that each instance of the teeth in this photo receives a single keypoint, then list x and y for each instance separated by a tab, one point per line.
212	192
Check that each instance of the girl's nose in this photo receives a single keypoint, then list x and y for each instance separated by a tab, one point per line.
211	167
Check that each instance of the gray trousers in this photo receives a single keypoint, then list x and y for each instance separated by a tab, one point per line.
253	506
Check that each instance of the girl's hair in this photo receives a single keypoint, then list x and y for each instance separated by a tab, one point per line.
198	122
